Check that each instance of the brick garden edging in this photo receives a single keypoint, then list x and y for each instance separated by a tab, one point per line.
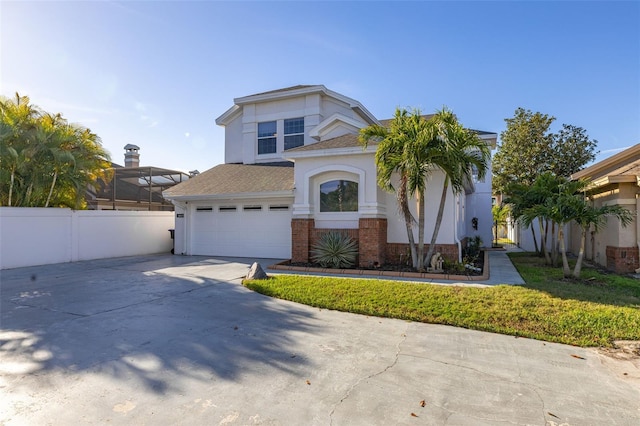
386	274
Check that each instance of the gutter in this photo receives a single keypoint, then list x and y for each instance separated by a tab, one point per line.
235	196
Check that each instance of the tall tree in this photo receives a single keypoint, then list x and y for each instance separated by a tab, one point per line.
524	149
456	152
18	120
413	148
393	158
571	149
588	216
44	160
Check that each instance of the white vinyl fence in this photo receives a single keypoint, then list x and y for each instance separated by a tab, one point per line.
40	236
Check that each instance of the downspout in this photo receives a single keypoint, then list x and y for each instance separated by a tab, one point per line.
455	227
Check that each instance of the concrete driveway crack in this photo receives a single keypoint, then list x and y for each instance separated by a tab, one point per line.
370	376
27	305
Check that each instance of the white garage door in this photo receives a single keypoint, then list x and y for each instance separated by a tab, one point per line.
242	230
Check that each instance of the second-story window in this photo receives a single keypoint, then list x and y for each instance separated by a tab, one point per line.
267	137
293	132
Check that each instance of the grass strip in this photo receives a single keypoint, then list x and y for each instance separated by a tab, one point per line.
593	311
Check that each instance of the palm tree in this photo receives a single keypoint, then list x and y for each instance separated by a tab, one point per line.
17	123
457	152
414	147
531	203
391	159
500	214
588	215
45	160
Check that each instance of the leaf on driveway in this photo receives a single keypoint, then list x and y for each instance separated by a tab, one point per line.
423	403
308	382
577	356
414	415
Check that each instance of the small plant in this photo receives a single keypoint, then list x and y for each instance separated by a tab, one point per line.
335	250
455	268
472	252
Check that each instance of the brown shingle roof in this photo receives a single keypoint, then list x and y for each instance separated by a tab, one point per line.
237	179
630	169
345	141
621	164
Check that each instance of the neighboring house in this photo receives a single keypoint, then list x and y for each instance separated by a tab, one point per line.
133	187
614	180
294	170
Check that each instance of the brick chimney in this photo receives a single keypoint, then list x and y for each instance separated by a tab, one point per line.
131	155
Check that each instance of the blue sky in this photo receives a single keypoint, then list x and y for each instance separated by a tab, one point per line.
157	74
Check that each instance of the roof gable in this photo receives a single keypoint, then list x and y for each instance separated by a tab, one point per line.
290	92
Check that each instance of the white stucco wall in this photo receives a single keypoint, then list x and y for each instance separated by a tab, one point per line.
396	228
241	133
233	141
478	205
332	106
310	173
39	236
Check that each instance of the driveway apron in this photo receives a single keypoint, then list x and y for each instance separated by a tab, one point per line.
164	340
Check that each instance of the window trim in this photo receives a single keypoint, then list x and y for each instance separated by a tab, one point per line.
265	137
289	135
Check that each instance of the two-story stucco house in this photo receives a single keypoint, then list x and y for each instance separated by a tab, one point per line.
293	170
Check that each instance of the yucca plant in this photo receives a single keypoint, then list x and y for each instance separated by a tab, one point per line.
335	250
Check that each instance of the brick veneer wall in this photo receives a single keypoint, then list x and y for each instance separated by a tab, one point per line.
300	239
622	260
371	237
372	242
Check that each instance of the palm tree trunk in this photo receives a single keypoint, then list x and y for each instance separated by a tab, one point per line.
554	244
535	241
565	263
28	196
421	217
13	174
543	243
436	228
583	242
403	200
53	184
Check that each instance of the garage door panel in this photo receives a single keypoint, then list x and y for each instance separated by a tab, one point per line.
243	233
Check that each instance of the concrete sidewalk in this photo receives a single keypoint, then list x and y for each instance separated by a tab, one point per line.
166	340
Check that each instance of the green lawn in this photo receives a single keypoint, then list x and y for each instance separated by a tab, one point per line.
594	311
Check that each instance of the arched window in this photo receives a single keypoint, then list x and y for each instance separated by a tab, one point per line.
339	196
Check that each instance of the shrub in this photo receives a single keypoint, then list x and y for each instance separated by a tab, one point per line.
335	250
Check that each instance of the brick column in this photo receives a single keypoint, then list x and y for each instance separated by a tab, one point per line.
372	242
300	233
622	260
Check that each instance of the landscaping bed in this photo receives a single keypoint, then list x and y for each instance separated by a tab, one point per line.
396	270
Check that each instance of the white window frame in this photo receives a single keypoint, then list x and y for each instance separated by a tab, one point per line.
286	135
274	136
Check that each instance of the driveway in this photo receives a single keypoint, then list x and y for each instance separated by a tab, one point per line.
164	340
